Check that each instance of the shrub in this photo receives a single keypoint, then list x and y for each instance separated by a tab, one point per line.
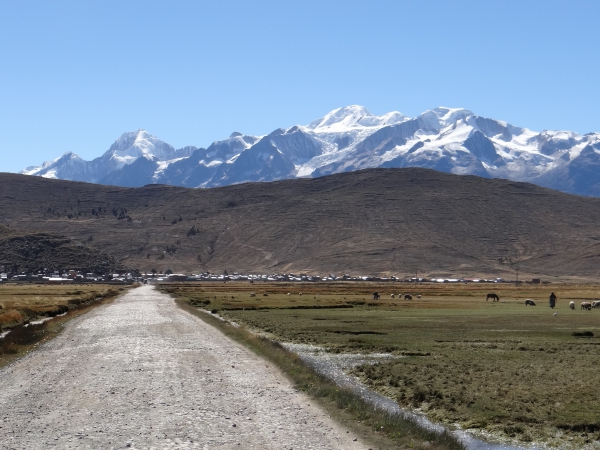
582	334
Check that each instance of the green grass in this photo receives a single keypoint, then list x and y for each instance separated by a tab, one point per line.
382	429
518	372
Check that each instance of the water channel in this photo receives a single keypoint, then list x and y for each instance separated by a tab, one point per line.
335	366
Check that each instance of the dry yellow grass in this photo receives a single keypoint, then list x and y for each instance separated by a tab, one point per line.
21	302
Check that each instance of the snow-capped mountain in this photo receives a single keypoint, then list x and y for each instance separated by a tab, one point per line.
126	150
351	138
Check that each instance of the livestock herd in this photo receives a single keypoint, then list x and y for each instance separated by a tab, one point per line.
528	302
377	296
586	305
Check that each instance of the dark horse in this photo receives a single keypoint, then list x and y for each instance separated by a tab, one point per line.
493	296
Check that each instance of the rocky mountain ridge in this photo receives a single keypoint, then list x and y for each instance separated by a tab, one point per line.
346	139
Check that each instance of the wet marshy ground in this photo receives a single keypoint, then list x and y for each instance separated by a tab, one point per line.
22	336
514	373
337	367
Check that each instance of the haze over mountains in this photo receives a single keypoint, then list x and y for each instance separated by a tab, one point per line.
347	139
373	221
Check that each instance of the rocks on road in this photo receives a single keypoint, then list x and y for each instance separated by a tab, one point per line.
141	373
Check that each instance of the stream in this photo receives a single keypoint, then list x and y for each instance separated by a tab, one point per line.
335	367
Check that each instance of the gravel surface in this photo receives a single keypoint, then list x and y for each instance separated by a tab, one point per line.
141	373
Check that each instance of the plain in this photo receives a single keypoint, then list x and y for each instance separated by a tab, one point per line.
520	373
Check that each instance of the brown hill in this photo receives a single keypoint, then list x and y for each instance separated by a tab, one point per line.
32	252
387	221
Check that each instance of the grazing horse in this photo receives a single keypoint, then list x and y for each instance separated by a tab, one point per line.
493	296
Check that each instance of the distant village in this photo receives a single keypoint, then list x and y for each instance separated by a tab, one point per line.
68	276
76	276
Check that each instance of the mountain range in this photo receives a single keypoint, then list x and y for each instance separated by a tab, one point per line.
449	140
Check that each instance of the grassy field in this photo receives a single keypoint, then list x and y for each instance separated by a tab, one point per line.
519	372
22	302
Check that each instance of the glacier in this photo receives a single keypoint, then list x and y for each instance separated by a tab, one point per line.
453	140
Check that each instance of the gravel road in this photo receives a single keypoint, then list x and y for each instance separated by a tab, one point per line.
141	373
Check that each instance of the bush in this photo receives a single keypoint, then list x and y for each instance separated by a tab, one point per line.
582	334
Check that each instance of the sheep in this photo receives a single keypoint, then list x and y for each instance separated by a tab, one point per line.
529	302
572	304
407	297
419	296
596	304
392	295
252	294
586	305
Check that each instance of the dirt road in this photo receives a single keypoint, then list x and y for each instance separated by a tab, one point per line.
141	373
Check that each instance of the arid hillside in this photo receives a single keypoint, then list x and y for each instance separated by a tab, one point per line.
32	252
386	221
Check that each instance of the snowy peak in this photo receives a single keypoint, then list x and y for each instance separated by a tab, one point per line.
355	116
449	116
345	117
350	138
228	148
131	139
127	149
550	142
66	157
49	169
132	145
441	117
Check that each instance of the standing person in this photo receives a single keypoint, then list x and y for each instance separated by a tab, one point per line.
552	300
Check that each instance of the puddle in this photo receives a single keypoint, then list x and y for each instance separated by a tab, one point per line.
218	316
335	367
33	322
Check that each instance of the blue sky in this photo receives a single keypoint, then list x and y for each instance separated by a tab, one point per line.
74	75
